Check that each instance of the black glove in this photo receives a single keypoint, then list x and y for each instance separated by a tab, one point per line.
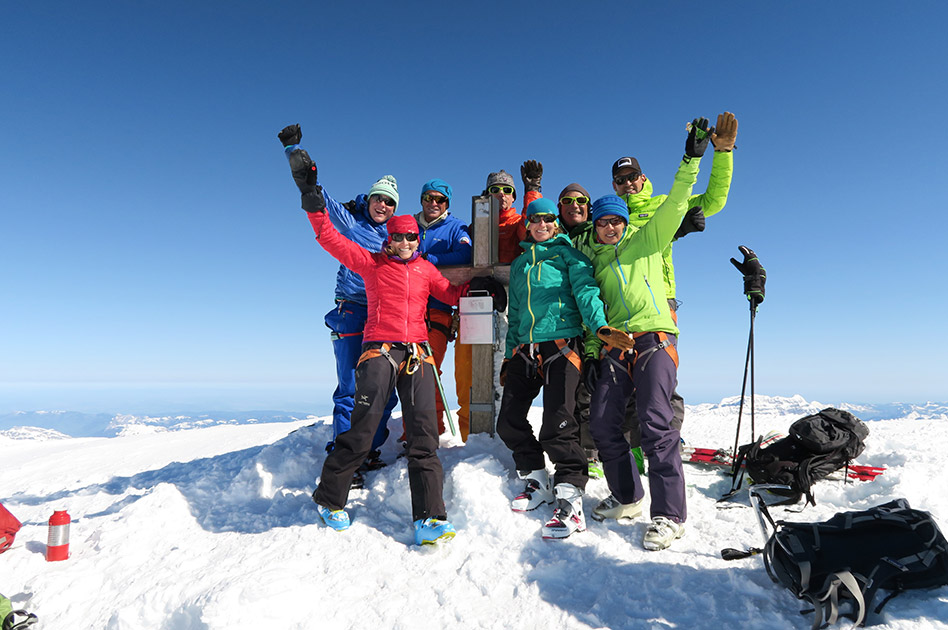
592	370
304	170
291	134
492	286
693	222
531	172
699	134
755	276
313	201
502	378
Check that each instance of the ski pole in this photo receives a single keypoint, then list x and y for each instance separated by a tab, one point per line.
755	276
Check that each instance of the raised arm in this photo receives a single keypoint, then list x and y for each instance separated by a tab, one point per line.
306	175
655	235
350	254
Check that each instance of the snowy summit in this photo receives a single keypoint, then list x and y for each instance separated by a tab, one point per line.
198	527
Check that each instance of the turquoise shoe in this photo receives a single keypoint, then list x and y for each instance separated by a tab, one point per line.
431	531
336	519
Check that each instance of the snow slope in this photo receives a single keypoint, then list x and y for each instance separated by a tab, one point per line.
214	528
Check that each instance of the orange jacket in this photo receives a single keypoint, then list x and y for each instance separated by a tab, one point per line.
513	230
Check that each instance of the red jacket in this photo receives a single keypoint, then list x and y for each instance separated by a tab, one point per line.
397	290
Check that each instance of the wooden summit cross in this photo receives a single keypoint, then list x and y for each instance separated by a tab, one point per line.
485	215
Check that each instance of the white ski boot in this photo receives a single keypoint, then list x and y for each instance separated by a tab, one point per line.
661	533
535	493
568	516
611	508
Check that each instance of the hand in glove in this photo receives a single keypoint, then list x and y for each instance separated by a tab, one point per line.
615	338
304	170
724	134
503	373
755	276
531	172
493	287
693	222
698	137
592	370
313	201
291	134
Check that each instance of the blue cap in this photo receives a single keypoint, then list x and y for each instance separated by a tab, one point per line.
438	185
609	205
540	206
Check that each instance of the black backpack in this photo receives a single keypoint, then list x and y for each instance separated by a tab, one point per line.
853	555
817	446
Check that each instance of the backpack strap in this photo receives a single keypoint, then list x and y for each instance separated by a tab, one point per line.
827	605
10	623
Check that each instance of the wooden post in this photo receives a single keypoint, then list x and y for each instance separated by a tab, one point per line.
485	225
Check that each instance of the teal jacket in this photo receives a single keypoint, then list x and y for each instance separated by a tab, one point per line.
631	272
642	206
552	292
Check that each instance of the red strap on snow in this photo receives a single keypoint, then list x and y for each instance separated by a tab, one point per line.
9	526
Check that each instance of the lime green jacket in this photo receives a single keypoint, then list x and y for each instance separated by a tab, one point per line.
642	206
630	274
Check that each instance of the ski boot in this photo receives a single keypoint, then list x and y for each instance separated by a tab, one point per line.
611	508
535	493
373	462
661	533
568	516
335	519
431	531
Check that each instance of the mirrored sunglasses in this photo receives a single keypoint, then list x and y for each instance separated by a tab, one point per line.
607	221
434	199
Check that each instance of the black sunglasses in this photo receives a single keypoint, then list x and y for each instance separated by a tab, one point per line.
621	179
411	237
384	200
546	218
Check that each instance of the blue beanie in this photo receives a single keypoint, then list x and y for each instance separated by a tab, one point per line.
540	206
438	185
610	204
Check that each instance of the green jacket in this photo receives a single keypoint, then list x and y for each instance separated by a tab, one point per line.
552	292
630	273
642	206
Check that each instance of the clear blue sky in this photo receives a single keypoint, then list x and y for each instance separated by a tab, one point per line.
151	232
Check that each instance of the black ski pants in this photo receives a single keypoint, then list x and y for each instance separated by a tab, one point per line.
376	376
559	432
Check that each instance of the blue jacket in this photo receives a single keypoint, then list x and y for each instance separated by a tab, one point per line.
358	228
445	241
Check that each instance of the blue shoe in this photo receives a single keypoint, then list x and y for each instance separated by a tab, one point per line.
430	531
336	519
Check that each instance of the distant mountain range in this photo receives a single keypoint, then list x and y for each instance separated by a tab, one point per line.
49	425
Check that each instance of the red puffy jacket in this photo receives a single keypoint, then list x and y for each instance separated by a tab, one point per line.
397	290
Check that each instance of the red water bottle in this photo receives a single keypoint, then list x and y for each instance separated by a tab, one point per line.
57	544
